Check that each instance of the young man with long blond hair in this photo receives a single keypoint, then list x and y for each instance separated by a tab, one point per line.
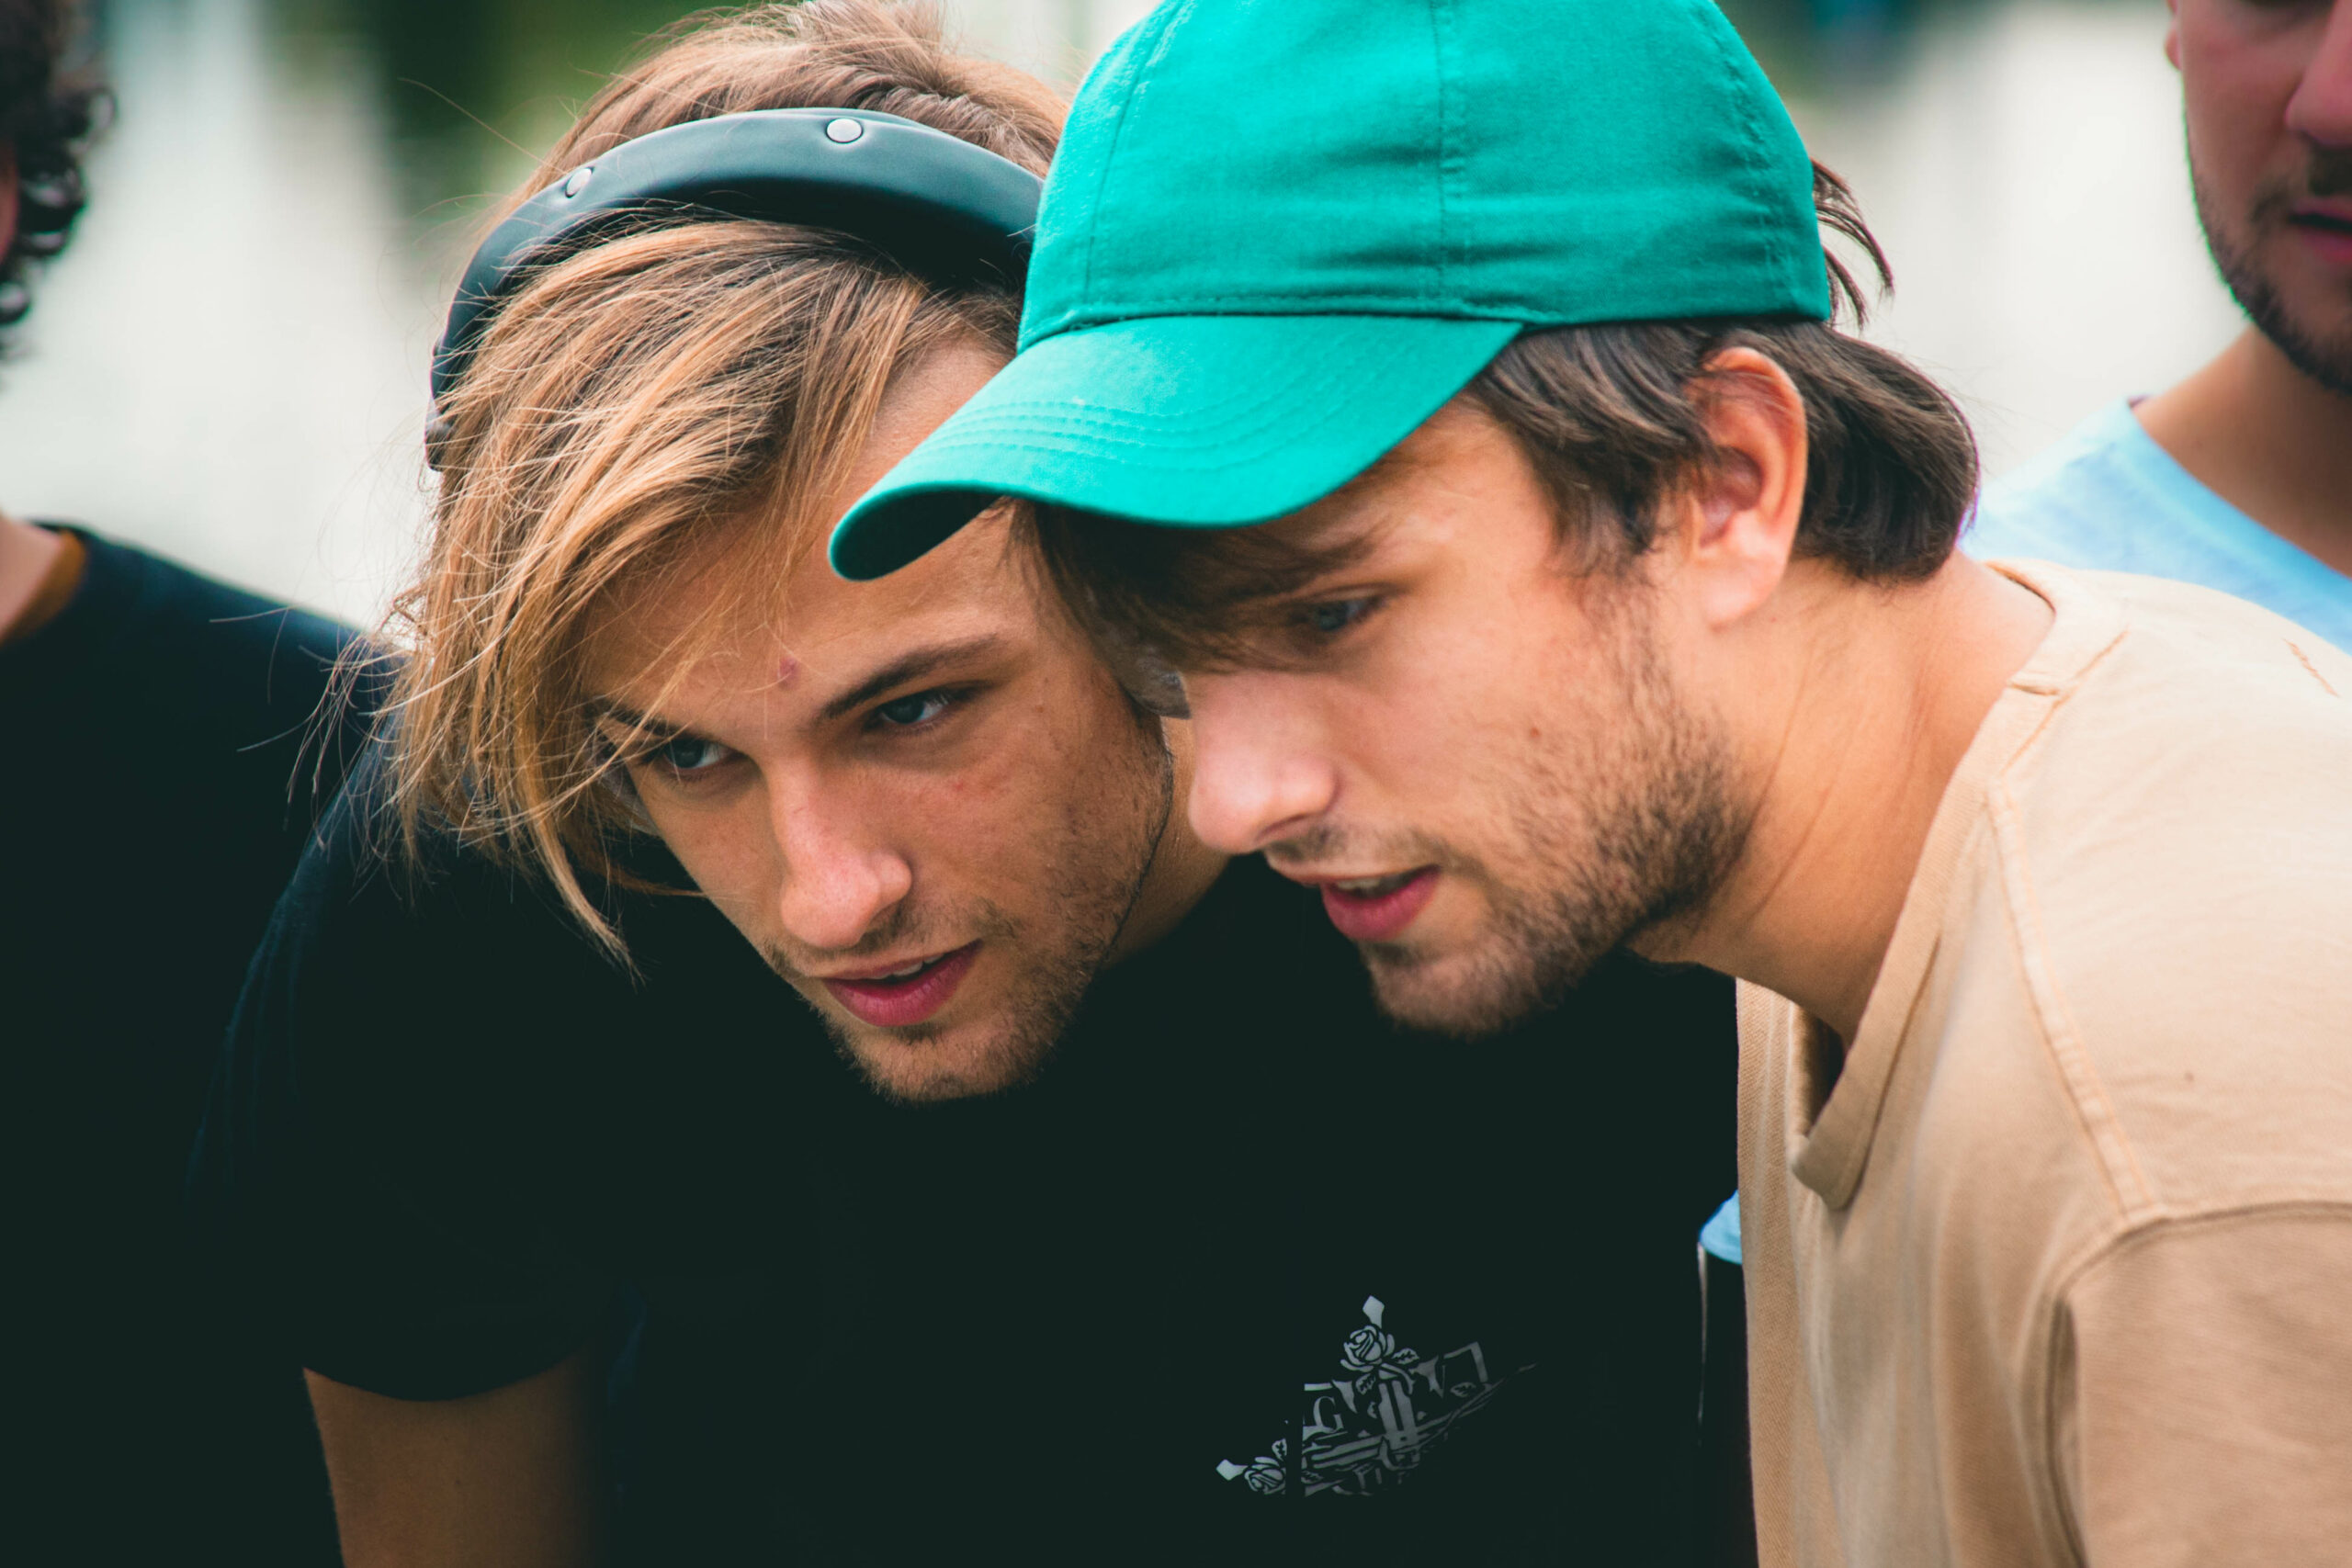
1112	1226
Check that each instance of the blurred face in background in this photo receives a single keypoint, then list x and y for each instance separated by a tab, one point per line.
923	799
2268	91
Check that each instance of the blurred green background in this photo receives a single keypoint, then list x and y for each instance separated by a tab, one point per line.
229	365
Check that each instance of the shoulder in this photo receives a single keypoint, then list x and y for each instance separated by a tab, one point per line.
2200	744
2107	496
161	594
417	949
2184	701
215	661
2074	501
386	1164
2176	858
422	964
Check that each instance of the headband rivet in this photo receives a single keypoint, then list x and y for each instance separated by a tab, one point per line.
577	181
843	130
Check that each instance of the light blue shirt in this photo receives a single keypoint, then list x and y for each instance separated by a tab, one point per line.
1720	1235
2109	498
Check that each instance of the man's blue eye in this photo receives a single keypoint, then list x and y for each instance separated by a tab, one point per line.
905	712
1338	615
691	754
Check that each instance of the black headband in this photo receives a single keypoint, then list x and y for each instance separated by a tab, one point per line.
934	203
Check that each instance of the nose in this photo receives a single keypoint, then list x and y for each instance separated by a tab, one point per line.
1259	775
838	880
2321	109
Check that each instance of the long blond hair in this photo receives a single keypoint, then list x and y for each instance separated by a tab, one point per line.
682	383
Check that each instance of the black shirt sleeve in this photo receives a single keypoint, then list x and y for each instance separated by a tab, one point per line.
394	1167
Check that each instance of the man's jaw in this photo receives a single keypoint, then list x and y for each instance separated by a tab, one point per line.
2284	217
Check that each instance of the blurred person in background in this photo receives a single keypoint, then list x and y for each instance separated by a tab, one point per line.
1052	1191
2239	477
156	797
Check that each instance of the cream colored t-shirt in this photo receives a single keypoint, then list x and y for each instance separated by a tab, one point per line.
2054	1264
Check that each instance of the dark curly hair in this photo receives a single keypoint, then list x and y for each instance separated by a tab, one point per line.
48	114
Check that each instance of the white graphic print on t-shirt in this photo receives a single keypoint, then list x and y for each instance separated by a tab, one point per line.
1368	1429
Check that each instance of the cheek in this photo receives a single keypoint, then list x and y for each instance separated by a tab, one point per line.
1067	794
969	829
727	846
2237	78
1459	704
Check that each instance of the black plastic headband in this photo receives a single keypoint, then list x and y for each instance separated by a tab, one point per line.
936	204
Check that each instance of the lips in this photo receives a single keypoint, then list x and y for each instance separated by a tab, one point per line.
2327	230
1378	909
908	996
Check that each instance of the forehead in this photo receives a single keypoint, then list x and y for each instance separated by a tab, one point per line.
757	586
1458	463
729	614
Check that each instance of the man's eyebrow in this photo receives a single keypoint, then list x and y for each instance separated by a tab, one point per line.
1293	569
628	718
1349	525
912	665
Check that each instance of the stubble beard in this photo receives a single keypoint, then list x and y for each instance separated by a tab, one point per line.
2324	357
1089	885
1623	833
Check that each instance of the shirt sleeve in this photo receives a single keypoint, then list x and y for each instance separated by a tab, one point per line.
383	1181
2202	1396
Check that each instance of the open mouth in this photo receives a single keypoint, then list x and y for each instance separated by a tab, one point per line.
901	997
1378	909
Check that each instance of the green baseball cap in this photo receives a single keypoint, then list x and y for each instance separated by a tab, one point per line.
1282	233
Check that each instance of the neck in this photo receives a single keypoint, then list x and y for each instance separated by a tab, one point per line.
1869	698
2268	440
26	554
1183	868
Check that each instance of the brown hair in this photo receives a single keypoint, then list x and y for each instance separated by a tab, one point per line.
1611	418
684	385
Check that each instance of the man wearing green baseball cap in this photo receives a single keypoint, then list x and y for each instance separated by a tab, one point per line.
1246	288
1446	391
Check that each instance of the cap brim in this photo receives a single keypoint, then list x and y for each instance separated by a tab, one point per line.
1189	421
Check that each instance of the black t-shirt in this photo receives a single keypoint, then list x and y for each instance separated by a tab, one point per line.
156	797
1246	1274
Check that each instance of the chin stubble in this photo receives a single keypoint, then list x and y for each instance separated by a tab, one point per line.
1659	833
1092	885
2328	362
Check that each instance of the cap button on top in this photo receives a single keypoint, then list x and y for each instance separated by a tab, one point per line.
843	130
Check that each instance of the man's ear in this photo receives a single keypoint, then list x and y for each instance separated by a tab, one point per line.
1738	520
